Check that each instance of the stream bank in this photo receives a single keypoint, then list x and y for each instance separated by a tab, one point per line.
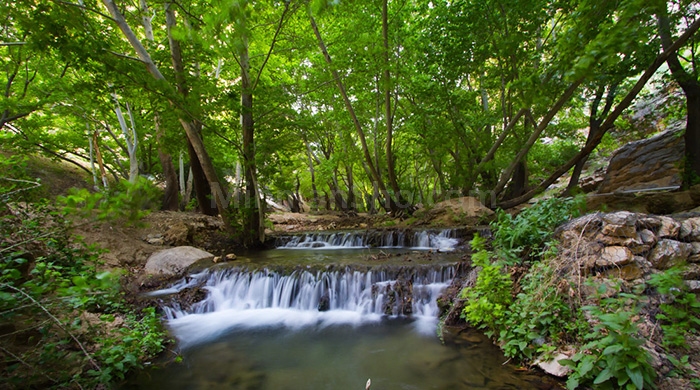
618	276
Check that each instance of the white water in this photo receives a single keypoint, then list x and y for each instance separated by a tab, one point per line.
262	299
420	240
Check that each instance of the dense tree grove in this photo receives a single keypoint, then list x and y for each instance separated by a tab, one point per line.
355	106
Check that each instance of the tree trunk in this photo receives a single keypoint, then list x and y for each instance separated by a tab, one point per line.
254	222
100	163
691	88
312	171
130	138
536	135
389	118
195	141
170	193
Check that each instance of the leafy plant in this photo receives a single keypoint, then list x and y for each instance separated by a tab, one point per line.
539	317
489	298
613	356
680	311
127	202
48	280
527	233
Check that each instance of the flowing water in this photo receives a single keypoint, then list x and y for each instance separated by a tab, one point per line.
342	316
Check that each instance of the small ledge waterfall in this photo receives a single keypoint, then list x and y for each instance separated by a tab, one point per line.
240	299
444	240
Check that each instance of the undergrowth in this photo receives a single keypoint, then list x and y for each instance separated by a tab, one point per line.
64	322
521	300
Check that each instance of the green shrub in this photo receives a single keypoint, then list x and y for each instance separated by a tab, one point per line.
539	318
48	282
490	297
680	312
613	356
525	235
127	202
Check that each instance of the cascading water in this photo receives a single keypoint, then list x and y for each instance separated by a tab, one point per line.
342	317
443	240
241	299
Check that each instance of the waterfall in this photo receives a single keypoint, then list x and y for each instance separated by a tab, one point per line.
443	240
238	298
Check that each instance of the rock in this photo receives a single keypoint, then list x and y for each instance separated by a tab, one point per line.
627	272
178	234
635	244
591	183
669	228
648	163
614	256
690	229
668	253
620	224
647	236
552	367
230	256
695	255
155	239
692	272
693	285
175	261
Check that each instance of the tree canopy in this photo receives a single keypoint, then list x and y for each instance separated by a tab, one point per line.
369	106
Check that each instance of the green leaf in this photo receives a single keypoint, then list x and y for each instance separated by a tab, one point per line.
603	376
586	365
613	349
636	377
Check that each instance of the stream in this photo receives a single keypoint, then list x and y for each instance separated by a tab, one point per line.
330	311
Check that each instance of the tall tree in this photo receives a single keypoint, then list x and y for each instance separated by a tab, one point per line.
688	81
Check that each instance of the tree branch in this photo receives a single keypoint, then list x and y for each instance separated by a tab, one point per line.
272	45
610	120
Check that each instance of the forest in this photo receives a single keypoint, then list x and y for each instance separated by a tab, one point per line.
352	106
218	113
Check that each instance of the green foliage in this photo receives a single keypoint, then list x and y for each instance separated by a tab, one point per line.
526	234
489	298
128	202
15	179
539	318
613	356
489	301
50	288
138	339
680	310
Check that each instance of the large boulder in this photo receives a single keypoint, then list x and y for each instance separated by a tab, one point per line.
175	261
648	163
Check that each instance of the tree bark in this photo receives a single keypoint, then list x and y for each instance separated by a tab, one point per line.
170	193
691	88
594	122
255	220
